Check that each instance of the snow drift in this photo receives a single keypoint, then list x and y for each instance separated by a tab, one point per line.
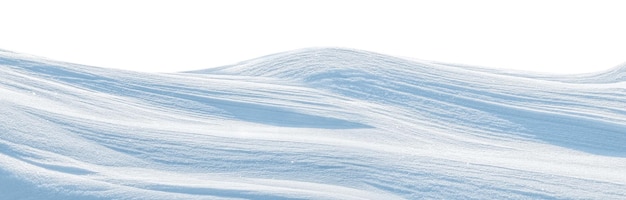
309	124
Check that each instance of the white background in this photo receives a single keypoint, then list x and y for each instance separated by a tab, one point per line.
167	36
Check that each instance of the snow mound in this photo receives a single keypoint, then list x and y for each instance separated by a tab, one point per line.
617	74
322	123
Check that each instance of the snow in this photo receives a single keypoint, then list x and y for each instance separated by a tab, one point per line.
318	123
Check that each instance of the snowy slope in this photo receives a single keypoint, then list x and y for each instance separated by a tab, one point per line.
309	124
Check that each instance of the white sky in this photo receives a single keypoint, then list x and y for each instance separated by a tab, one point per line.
177	35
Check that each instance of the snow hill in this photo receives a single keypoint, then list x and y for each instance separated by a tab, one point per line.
309	124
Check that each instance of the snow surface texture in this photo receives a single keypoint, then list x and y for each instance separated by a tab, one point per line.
309	124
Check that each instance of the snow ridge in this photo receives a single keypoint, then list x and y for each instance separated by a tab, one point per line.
319	123
617	74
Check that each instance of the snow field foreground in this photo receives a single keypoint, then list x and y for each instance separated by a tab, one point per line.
309	124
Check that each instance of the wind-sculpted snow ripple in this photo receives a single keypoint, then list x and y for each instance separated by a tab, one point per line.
309	124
